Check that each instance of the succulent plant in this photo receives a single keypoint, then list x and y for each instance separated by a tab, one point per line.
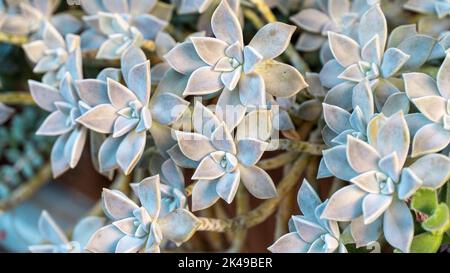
23	152
381	182
172	184
127	113
164	43
244	73
311	108
309	233
65	107
116	25
434	23
56	240
439	7
50	54
140	229
25	17
369	59
39	12
431	99
340	123
220	161
331	15
368	91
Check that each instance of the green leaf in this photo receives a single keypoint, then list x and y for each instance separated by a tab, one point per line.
346	236
438	222
446	239
425	201
426	243
448	194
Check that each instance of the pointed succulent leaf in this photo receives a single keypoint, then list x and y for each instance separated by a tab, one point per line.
345	204
398	225
225	24
258	182
178	226
116	205
277	34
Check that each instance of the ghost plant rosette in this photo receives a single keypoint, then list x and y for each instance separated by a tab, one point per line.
116	25
65	107
340	16
432	99
25	17
220	161
309	233
56	241
372	57
245	75
127	113
140	228
51	53
340	123
39	12
435	22
381	182
439	7
172	184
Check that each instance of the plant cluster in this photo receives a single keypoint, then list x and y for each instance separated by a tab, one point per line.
191	103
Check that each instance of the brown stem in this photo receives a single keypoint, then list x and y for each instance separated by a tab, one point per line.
284	212
13	39
242	206
214	225
278	161
27	190
17	98
221	213
301	146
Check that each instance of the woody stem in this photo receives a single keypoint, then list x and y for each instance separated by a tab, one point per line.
301	146
13	39
16	98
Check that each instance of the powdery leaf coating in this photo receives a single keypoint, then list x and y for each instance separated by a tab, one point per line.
51	54
431	98
383	182
217	63
309	233
27	17
129	112
116	25
65	107
439	7
365	57
55	240
141	229
222	162
332	15
382	110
